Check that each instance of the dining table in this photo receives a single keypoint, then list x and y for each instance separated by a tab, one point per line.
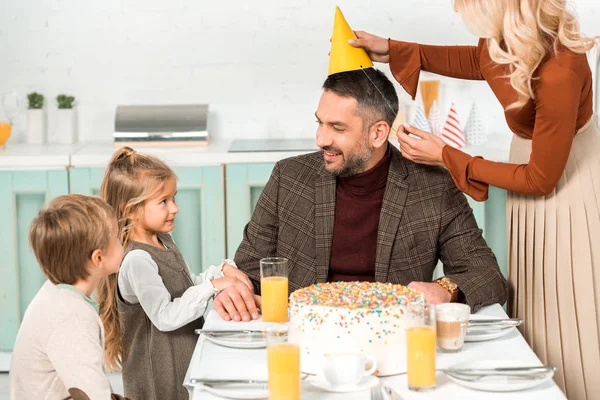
211	361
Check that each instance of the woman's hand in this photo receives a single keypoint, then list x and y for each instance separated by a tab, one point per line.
377	48
427	150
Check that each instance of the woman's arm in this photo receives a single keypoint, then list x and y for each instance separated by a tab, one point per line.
408	59
556	107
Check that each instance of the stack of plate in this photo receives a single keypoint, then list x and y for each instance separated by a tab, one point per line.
499	375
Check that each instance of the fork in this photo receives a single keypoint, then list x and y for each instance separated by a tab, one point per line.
476	378
376	393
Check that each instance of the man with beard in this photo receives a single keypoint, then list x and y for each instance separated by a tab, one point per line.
358	211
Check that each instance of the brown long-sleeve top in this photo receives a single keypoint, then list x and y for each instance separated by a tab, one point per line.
562	105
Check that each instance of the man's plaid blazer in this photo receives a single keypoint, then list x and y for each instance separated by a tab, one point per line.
424	217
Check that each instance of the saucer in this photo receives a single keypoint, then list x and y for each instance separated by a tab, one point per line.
364	384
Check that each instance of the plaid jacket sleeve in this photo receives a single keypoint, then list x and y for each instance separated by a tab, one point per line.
467	259
260	234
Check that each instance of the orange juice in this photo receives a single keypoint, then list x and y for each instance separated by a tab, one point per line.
5	129
274	291
420	356
284	371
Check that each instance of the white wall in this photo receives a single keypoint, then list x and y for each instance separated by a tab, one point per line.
259	64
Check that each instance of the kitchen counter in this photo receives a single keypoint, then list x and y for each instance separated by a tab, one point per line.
96	155
21	156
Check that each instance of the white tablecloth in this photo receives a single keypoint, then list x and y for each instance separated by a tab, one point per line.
221	362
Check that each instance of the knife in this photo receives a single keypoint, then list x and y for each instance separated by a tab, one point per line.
225	382
496	371
512	321
230	332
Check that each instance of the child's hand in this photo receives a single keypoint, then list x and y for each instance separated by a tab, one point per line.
233	272
224	283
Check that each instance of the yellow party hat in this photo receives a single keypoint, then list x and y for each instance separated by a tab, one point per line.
343	57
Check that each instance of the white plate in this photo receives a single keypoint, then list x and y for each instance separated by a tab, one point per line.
320	382
237	392
499	383
481	333
239	341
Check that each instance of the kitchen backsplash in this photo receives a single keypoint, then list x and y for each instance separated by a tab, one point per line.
259	64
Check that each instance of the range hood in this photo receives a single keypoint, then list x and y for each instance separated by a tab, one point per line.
161	123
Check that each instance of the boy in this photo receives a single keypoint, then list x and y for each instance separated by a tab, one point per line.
59	349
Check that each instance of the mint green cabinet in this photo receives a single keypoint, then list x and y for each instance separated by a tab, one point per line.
199	226
244	184
22	194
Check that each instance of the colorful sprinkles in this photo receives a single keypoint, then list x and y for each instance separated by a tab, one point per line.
373	296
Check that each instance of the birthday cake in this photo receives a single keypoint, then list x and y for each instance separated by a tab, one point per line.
370	317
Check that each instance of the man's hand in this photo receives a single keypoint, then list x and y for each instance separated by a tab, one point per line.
238	303
229	271
434	293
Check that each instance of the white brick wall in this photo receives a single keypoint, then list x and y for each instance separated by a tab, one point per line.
259	64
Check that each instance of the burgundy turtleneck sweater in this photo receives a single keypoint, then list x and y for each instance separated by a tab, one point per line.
357	208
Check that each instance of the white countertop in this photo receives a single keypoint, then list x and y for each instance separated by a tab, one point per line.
216	153
20	156
96	155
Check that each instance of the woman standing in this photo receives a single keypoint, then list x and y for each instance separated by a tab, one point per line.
532	55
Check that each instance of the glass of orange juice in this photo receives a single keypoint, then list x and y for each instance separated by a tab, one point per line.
283	360
274	289
421	347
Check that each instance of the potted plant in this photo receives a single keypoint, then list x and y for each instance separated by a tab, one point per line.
65	119
36	119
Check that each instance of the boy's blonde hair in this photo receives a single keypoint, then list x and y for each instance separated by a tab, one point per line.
66	232
130	180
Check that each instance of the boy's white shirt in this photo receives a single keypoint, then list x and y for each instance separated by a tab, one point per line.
140	283
60	345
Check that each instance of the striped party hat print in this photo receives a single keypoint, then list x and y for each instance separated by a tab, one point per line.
452	133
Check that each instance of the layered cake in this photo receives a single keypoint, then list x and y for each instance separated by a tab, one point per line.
370	317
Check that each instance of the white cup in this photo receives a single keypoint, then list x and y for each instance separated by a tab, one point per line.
347	368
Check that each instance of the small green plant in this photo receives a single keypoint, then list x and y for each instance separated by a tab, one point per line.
64	101
36	101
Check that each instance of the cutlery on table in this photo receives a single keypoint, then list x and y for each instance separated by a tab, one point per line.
229	332
494	322
501	369
474	374
227	382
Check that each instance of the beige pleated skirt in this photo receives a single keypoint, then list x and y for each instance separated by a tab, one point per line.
554	266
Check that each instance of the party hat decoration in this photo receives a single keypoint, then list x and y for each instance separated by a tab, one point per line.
342	56
419	120
435	119
475	130
452	134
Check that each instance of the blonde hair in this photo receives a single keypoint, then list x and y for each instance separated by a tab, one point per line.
66	232
130	180
520	34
